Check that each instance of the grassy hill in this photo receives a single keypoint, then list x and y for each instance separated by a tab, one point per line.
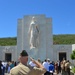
57	39
64	39
8	41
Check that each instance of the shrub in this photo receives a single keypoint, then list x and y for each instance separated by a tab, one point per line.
73	69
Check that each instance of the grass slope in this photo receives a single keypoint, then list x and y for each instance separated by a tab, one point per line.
57	39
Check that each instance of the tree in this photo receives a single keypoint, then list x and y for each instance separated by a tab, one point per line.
73	58
73	55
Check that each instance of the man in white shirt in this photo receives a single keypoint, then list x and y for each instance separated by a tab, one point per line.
32	64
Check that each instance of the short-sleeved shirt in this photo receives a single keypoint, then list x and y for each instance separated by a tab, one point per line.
21	69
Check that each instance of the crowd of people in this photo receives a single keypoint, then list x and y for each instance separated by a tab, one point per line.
5	67
37	67
52	67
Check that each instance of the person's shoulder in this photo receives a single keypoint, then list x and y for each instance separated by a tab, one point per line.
14	70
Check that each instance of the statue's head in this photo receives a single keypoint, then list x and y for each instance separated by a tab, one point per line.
33	19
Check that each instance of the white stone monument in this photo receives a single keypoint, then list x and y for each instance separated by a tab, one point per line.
35	36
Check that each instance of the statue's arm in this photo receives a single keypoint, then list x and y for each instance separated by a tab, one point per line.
37	29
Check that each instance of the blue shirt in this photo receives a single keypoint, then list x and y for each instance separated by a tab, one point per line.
51	67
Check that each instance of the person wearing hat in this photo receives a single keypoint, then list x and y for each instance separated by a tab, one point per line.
23	69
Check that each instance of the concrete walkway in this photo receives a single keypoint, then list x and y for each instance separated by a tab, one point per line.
7	74
57	74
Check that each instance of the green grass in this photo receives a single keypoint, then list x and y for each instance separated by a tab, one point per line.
64	39
57	39
8	41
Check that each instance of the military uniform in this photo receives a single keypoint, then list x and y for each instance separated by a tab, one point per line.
21	69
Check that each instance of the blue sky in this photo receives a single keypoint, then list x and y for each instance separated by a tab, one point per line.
61	11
